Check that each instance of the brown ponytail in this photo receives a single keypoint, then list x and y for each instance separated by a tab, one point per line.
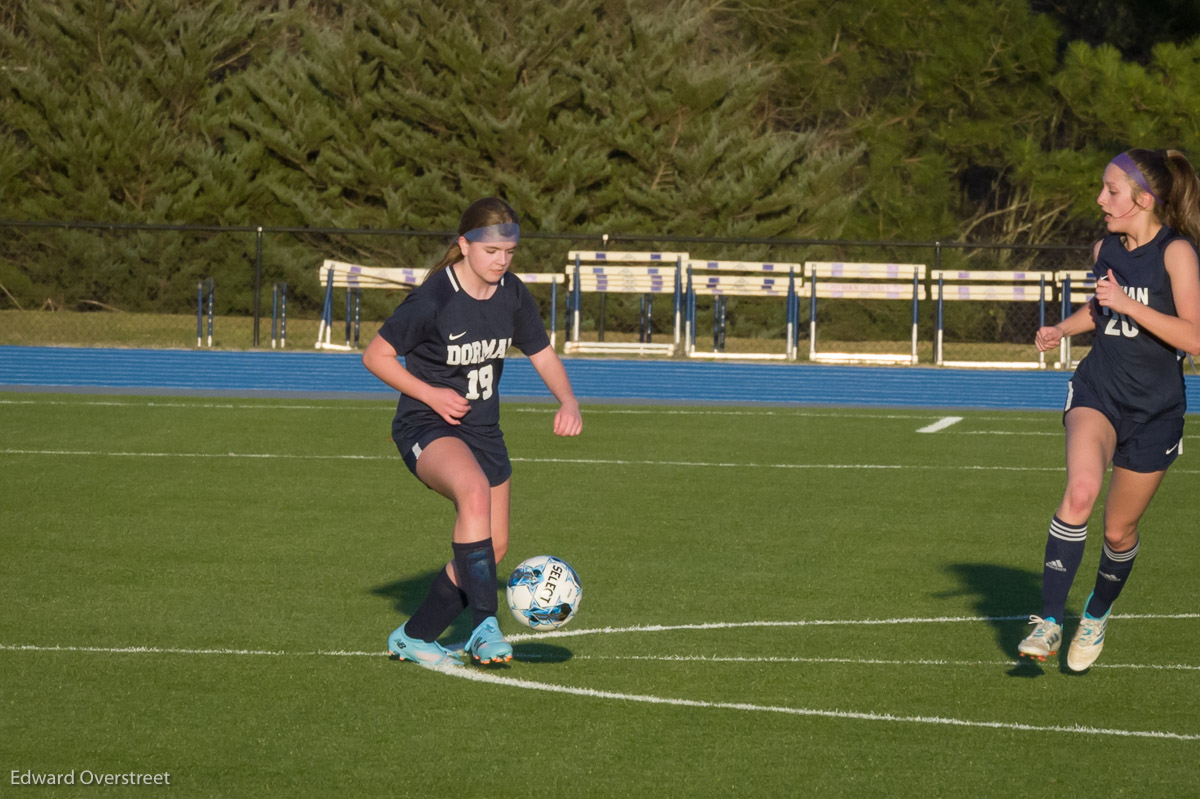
1175	187
1183	203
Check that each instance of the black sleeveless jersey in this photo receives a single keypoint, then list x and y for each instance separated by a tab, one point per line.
449	339
1138	376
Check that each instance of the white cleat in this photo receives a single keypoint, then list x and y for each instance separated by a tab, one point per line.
1087	643
1043	641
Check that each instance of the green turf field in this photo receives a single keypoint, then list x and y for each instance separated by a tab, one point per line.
777	602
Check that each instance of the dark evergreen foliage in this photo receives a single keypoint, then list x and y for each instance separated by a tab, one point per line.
798	119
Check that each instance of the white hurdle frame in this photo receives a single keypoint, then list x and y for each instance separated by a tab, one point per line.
742	279
867	281
624	272
337	274
990	286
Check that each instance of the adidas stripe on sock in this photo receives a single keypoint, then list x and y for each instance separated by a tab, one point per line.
1064	552
1110	579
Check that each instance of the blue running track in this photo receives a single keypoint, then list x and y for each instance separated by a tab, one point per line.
333	375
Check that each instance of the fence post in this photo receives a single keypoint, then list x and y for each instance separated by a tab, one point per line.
576	298
1064	344
205	290
689	315
937	265
279	315
941	320
1042	319
258	236
553	311
792	313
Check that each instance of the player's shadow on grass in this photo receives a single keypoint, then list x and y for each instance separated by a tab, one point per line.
1003	597
406	596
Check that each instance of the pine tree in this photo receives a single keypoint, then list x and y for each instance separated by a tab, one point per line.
111	114
618	117
939	97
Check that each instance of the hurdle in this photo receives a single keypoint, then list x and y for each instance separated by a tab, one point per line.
1071	283
620	272
205	289
355	278
863	281
740	279
989	286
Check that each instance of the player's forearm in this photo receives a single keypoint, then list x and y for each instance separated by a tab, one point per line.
1182	334
381	362
1081	321
550	368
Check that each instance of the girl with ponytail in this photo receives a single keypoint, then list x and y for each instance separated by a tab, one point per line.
1125	403
454	332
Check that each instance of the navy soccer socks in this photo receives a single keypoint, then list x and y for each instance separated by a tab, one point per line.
1110	579
1064	552
475	567
438	611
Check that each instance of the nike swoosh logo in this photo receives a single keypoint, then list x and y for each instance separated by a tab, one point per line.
1172	449
456	337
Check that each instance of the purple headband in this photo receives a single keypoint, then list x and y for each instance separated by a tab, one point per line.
1126	164
505	231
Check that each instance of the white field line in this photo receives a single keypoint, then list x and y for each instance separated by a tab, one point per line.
390	402
345	405
940	424
336	405
541	637
1055	433
845	661
496	679
699	464
524	656
14	451
727	625
233	455
512	682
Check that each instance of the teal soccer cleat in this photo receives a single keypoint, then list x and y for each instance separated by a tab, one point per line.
487	645
426	653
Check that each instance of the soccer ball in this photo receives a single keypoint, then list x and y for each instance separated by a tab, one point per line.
543	592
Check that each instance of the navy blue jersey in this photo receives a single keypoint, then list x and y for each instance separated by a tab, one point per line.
449	339
1137	376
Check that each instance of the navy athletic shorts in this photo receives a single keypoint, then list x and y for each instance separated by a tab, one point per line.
1144	447
490	453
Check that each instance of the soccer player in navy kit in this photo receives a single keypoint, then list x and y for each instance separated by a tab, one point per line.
1125	402
454	331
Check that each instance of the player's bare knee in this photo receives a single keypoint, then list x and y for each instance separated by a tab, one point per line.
1079	499
474	499
1121	537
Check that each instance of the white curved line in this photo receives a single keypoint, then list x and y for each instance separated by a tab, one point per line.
478	675
725	625
512	682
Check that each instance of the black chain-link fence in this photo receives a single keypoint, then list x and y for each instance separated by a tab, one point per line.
75	284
